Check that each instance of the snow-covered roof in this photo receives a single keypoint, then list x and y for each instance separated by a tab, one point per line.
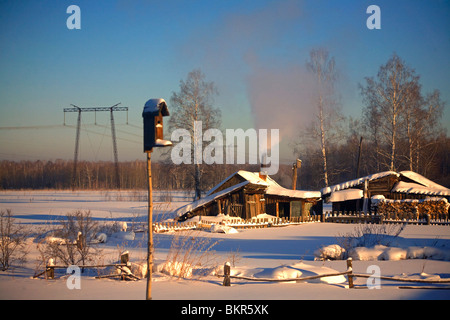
273	188
421	180
421	185
280	191
154	106
344	195
410	187
251	177
356	182
207	199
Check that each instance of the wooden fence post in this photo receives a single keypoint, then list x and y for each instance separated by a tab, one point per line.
50	269
350	274
227	272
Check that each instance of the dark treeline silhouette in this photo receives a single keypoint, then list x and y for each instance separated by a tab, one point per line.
168	176
101	175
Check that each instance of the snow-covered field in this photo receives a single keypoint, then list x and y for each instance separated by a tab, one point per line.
282	252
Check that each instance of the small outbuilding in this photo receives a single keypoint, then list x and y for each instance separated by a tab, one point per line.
363	194
247	195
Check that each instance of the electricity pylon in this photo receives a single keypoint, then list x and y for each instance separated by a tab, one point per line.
113	134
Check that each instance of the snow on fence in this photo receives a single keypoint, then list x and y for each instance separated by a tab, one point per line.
122	269
260	223
351	217
162	227
227	276
236	223
349	273
371	217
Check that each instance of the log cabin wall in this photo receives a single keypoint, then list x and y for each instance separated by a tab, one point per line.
382	186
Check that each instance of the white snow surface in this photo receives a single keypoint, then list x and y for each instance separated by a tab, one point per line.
409	187
278	252
422	180
344	195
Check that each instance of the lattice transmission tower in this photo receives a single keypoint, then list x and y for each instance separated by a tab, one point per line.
113	134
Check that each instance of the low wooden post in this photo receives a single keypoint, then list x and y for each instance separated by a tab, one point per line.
226	273
50	269
80	241
427	218
350	274
124	257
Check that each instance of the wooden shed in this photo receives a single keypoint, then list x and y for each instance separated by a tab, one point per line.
360	194
247	194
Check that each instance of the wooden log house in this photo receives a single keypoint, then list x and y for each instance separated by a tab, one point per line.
364	193
249	194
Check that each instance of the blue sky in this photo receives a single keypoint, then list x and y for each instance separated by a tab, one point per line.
129	51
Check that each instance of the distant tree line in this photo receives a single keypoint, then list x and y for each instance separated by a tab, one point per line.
167	176
101	175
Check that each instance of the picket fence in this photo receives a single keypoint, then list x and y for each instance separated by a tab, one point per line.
328	216
371	217
237	223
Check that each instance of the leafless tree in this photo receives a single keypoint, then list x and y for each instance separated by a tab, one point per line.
194	102
12	241
72	242
328	112
422	124
394	90
400	120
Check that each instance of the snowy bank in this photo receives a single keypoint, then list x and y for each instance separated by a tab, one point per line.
381	252
292	271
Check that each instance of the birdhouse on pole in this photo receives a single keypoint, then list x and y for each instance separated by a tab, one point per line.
154	111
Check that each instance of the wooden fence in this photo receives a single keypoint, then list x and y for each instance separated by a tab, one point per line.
123	271
371	217
333	216
227	276
349	273
237	223
162	227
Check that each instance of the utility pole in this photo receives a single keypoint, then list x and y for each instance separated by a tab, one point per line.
113	133
359	158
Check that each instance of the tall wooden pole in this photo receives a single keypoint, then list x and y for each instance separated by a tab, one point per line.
297	165
150	228
359	158
294	176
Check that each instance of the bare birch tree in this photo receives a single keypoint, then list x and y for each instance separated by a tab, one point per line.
194	102
386	96
422	124
396	113
324	69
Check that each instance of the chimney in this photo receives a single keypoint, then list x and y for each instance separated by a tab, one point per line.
262	169
297	165
263	175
